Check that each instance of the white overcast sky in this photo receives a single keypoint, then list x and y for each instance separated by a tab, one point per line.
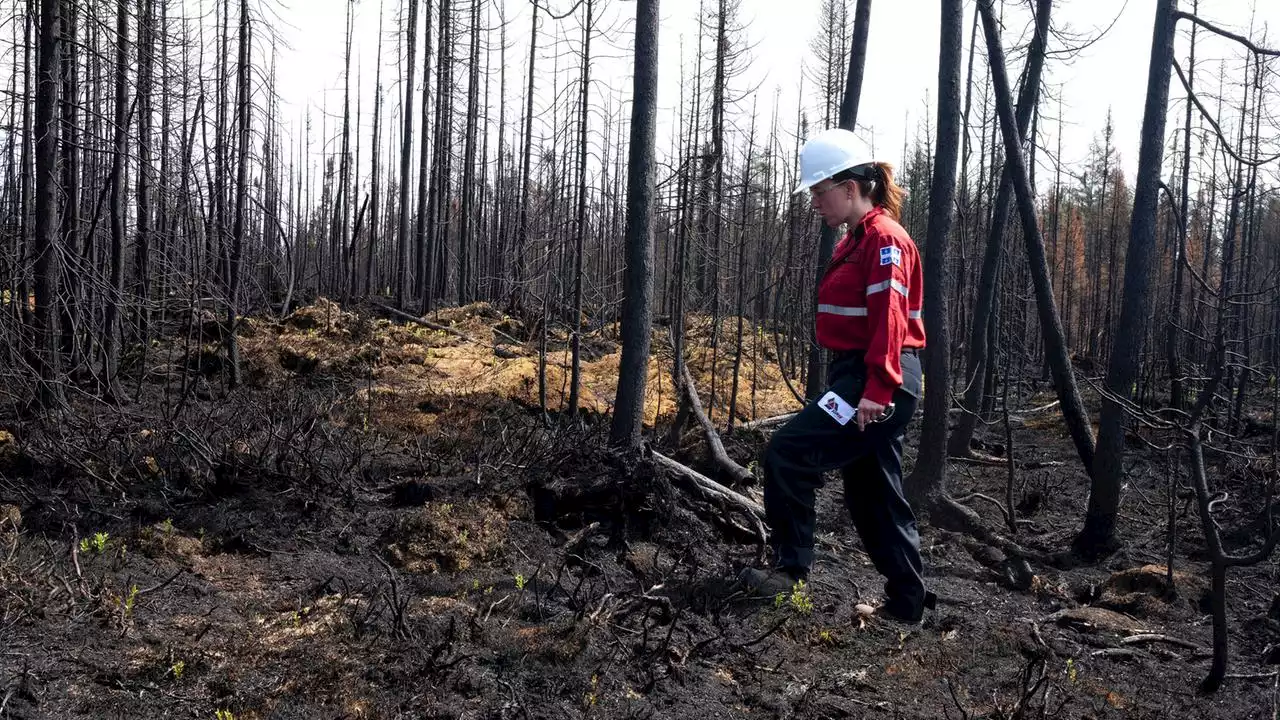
901	66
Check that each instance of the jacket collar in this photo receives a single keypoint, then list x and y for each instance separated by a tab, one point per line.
868	219
856	232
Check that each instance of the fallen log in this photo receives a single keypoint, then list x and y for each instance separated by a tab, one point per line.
976	458
768	422
715	447
1153	637
497	350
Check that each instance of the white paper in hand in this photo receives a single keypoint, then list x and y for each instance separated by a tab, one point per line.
835	406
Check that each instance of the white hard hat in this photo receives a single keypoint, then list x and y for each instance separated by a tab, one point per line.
829	152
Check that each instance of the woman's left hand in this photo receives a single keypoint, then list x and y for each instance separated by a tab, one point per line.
868	412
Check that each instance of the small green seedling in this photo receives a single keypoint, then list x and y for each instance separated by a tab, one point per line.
800	600
97	544
223	715
592	697
519	581
177	669
129	601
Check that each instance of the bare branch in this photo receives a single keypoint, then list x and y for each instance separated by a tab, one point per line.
1204	112
1181	15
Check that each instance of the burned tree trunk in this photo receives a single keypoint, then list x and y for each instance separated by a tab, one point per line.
1172	353
46	251
1099	533
575	380
244	107
1050	323
70	152
376	153
146	75
984	305
637	294
425	205
406	151
467	212
113	335
929	477
522	240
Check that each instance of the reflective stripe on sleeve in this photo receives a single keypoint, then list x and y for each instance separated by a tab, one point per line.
915	314
842	310
882	286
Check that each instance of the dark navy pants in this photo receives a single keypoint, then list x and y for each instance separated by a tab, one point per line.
870	461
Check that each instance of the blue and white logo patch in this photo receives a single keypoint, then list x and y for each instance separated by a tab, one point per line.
891	256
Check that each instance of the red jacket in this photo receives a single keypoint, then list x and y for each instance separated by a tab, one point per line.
870	298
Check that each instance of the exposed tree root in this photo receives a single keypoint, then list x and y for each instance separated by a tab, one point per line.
715	492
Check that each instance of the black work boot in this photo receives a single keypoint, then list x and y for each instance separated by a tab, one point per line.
768	582
907	612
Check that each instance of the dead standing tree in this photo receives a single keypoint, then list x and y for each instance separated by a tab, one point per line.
1099	533
402	284
46	246
1099	536
1220	560
1197	432
928	479
1072	405
244	107
984	307
637	298
113	336
580	224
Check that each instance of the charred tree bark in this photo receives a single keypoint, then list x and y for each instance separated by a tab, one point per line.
1173	356
741	275
1099	533
527	156
49	390
637	293
1072	405
983	312
376	153
433	245
928	480
113	335
339	214
406	151
146	75
71	182
575	379
426	173
244	107
466	224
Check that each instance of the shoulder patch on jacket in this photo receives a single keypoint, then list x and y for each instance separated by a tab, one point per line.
890	255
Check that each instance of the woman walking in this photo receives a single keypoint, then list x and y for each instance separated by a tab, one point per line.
869	302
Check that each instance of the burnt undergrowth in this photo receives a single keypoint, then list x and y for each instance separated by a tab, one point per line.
325	543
